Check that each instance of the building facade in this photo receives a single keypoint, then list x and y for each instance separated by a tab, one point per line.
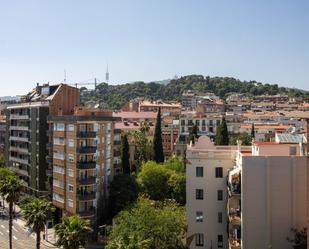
26	133
83	160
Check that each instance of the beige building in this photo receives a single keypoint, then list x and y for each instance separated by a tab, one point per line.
266	194
83	160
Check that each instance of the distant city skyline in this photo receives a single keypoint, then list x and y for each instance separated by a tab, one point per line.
151	41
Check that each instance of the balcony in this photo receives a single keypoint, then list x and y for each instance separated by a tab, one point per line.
19	128
20	171
117	142
19	149
234	217
19	139
86	164
87	180
86	196
86	134
234	243
49	159
234	189
88	212
19	117
86	149
19	160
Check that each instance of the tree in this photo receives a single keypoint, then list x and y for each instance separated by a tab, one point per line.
299	239
157	140
193	134
2	160
163	181
72	232
125	163
36	213
123	191
252	131
222	135
161	224
143	150
10	188
132	242
4	174
153	180
244	137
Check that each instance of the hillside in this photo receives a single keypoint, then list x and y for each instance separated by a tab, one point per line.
114	96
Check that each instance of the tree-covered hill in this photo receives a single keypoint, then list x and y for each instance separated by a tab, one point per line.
114	96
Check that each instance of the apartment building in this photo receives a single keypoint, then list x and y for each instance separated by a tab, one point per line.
83	160
266	194
26	133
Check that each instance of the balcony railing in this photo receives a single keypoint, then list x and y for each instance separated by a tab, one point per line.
234	188
20	139
18	160
87	180
19	128
83	196
19	117
87	149
88	212
19	149
86	164
86	134
117	142
234	217
234	243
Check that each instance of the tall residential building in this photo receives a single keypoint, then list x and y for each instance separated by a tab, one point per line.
83	160
26	136
266	194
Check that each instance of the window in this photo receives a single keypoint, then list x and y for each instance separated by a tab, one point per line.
58	155
219	172
58	141
220	217
199	171
70	172
70	188
220	241
199	239
199	194
70	127
57	183
58	197
70	203
59	126
58	169
70	142
70	157
199	216
220	195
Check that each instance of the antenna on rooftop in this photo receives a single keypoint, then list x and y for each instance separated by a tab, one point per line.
65	76
107	74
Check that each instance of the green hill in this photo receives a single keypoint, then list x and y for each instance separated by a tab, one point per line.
114	96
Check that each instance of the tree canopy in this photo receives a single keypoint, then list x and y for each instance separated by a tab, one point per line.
222	134
115	96
154	224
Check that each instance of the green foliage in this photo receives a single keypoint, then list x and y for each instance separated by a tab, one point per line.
157	141
252	131
149	224
125	163
123	191
2	160
36	213
244	137
163	181
143	150
222	134
72	232
299	239
193	134
115	96
10	188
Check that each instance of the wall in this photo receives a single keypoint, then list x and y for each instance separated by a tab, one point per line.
273	200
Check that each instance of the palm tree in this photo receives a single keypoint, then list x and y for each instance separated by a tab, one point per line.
10	188
36	213
4	173
72	232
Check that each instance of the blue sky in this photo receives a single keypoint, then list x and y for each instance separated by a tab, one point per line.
151	40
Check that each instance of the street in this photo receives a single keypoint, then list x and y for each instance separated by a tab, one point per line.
22	239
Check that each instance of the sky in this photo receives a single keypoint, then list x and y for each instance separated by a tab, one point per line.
147	40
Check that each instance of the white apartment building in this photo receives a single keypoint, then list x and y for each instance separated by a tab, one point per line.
265	197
